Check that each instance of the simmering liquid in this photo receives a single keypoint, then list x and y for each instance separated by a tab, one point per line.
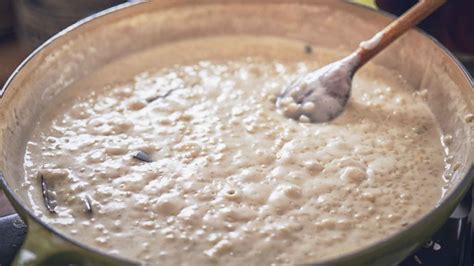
178	155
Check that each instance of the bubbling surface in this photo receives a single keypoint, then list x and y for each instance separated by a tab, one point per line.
228	178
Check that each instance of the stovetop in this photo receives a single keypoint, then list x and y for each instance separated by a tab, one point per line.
452	245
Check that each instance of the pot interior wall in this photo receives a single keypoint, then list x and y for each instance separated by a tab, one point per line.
333	24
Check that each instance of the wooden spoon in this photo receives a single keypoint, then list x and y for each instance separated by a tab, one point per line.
321	95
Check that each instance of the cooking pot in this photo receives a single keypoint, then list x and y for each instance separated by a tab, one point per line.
88	45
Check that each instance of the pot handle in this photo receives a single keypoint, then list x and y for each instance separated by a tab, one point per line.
43	248
12	234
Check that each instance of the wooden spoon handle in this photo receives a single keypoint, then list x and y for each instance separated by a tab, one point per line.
382	39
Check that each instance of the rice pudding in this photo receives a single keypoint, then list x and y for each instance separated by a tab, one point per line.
177	155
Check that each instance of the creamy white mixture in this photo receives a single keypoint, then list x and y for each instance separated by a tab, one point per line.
231	180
